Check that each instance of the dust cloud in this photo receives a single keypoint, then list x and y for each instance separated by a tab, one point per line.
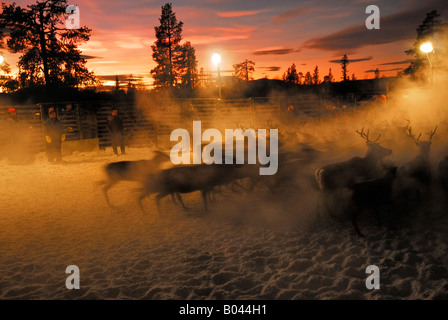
307	143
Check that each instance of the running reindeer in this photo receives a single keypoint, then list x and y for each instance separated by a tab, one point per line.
187	179
415	177
376	195
336	180
443	174
132	171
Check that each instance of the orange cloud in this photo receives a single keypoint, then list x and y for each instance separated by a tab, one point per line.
93	46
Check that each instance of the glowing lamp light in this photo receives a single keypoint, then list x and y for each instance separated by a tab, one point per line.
216	58
426	47
1	59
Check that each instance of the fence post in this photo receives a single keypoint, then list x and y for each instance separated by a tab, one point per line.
78	121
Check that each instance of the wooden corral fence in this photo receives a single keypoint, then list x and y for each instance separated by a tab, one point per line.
88	120
151	125
214	113
138	129
79	119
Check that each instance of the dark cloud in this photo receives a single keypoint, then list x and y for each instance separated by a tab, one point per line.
351	60
395	63
83	56
121	77
274	52
384	70
274	68
393	28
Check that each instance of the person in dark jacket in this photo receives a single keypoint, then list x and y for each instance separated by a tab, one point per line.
54	135
115	125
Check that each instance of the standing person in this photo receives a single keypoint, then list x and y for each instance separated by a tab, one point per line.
115	125
54	135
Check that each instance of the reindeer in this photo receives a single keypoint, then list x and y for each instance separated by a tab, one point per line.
132	171
374	195
337	178
186	179
419	167
293	171
414	177
443	173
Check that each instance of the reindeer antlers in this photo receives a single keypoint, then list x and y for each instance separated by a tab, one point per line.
412	136
431	133
366	135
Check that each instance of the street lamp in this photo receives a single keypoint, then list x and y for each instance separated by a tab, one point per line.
1	58
427	48
216	59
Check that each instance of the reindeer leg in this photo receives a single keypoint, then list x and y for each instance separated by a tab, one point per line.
105	191
210	194
140	204
158	198
173	198
204	197
354	216
179	199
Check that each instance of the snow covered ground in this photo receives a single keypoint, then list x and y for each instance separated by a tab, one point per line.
250	246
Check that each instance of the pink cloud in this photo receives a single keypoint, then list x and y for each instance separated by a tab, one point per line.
235	14
219	34
290	14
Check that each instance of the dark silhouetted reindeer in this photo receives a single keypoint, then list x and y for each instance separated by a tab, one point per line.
337	177
415	176
187	179
376	195
132	171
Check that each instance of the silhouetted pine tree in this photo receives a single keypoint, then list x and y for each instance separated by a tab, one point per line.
166	49
316	76
344	64
50	54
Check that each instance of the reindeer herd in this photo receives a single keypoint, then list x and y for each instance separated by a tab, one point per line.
346	189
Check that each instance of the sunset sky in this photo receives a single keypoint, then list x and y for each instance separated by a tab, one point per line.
273	34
